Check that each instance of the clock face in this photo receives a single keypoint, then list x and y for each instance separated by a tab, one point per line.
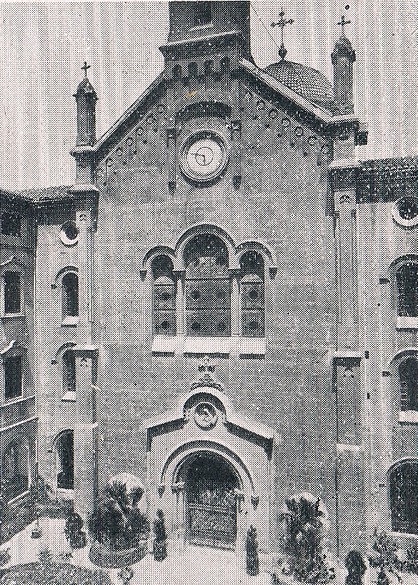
204	157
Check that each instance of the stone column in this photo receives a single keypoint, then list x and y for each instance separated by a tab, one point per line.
235	302
178	513
85	432
180	303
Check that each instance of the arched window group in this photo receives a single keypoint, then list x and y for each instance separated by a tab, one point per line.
65	460
403	481
208	306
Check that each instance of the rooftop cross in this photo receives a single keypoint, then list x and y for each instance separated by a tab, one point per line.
85	67
282	22
342	24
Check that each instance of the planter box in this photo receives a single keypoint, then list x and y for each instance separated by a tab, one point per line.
102	556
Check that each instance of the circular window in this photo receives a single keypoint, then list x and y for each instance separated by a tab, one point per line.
195	295
220	295
405	211
165	325
195	326
69	233
253	295
165	296
253	326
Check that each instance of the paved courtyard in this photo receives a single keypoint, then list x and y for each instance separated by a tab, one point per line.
191	566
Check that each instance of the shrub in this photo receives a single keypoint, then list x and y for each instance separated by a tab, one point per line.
4	556
411	563
384	557
117	522
160	544
305	527
56	574
73	530
252	552
356	568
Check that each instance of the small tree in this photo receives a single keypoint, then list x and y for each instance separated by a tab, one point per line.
384	557
356	568
252	552
411	563
305	527
160	540
73	530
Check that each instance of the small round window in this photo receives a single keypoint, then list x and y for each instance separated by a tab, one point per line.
405	211
69	233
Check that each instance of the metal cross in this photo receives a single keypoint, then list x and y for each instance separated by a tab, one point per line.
282	22
85	67
342	24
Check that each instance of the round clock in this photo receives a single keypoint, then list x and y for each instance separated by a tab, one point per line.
204	157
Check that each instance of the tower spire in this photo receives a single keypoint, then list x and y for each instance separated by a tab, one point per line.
282	22
343	57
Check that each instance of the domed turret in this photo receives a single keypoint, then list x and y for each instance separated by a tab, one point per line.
86	99
303	80
343	57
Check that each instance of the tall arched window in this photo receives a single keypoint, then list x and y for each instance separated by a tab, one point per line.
408	379
252	294
407	283
404	497
68	372
164	296
70	295
65	460
207	287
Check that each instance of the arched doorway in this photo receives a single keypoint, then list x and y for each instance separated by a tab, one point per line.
210	485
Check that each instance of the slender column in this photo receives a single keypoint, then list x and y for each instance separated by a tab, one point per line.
235	302
178	520
180	304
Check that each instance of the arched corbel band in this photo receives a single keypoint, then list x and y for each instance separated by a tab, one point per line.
235	250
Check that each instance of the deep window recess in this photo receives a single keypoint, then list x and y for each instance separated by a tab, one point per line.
12	292
12	377
68	372
404	497
407	282
408	378
202	13
70	295
252	294
164	296
65	461
207	287
11	224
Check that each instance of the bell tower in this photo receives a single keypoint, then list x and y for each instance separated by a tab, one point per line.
202	30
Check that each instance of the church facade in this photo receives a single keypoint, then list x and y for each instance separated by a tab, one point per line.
224	304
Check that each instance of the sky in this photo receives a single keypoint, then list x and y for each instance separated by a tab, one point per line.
43	46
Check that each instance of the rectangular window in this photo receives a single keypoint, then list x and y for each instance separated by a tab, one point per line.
11	224
13	377
12	292
202	13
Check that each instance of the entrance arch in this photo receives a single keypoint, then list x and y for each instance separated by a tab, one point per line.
211	485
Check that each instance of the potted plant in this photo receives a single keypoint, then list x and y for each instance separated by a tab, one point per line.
73	530
252	552
119	529
160	540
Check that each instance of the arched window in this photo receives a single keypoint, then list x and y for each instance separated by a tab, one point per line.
15	470
164	296
70	295
407	282
13	377
207	287
65	460
252	294
408	379
404	497
68	372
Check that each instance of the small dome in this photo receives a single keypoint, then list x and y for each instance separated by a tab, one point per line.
85	87
304	80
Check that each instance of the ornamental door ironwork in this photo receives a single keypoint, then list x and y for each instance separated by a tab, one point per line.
211	516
